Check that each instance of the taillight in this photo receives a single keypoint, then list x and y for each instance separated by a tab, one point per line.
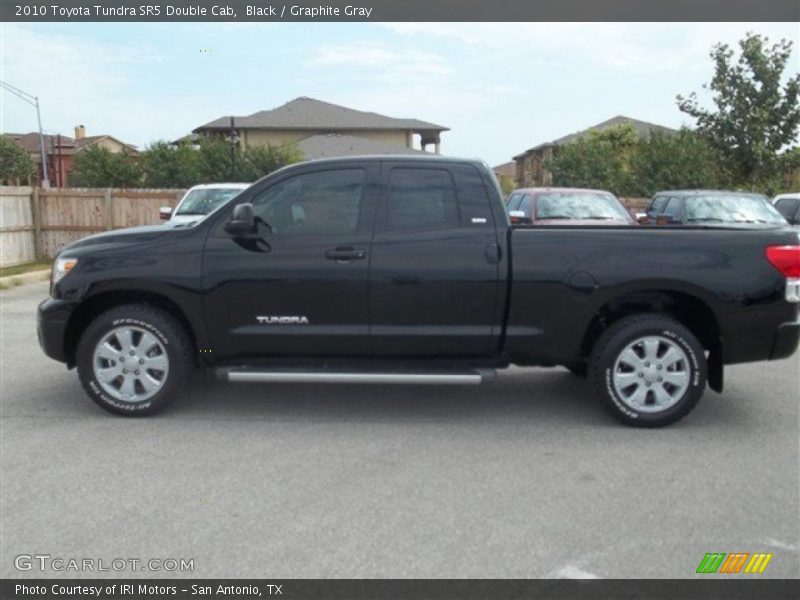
786	259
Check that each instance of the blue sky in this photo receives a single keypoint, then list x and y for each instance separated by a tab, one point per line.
500	87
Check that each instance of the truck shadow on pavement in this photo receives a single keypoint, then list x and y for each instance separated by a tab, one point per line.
551	397
553	394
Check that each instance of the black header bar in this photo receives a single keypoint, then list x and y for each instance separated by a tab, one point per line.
401	10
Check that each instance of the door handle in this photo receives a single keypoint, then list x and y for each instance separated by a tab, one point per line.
345	254
492	253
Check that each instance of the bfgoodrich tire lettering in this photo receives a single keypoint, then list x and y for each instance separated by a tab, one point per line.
158	343
649	370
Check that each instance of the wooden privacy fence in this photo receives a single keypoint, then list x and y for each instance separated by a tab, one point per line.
17	245
36	223
636	205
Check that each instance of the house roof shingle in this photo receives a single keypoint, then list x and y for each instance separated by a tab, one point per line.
308	113
643	128
54	144
30	142
93	139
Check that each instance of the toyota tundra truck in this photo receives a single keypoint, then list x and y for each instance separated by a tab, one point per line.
391	270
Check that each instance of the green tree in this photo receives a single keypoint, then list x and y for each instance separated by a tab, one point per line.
257	162
216	161
663	161
16	165
99	167
600	159
619	160
211	161
507	184
171	165
756	109
791	175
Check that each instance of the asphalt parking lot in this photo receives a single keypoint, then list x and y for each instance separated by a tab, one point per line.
526	477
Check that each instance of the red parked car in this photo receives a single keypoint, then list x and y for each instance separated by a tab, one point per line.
568	206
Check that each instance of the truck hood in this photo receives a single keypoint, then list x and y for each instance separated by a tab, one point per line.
130	235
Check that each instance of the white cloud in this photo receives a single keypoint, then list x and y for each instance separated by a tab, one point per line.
68	74
371	55
398	80
646	47
80	80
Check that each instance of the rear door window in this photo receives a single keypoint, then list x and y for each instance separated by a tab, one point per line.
421	200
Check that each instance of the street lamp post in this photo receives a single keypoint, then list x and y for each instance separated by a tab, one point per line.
33	101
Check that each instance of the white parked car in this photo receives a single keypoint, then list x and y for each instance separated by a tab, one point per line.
200	201
792	196
789	206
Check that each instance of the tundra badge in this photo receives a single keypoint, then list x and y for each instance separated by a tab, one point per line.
282	320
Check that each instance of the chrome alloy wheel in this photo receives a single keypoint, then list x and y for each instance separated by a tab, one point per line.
130	364
651	374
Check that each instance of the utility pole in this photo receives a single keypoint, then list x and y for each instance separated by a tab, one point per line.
233	139
60	169
33	101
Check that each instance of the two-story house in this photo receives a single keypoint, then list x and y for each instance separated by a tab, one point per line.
321	129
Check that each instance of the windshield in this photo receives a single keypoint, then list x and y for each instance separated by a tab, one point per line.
731	208
580	205
205	200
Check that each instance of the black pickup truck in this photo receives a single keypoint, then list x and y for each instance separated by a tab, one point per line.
406	270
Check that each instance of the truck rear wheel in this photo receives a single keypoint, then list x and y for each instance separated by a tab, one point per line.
649	370
133	359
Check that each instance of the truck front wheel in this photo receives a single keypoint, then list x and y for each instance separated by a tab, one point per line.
133	359
649	370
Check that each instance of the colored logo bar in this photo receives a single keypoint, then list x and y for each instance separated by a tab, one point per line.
720	562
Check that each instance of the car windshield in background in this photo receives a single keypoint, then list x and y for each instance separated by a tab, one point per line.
579	205
731	209
204	201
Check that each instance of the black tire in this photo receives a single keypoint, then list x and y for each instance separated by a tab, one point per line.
579	369
166	330
614	340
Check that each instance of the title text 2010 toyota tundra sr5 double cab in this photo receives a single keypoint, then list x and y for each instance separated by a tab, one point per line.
405	269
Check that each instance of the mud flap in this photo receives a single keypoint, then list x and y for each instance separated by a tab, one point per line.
716	369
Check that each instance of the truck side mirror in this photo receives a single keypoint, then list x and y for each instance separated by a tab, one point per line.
164	213
518	217
242	221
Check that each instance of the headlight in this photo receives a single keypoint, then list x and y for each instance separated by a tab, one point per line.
62	267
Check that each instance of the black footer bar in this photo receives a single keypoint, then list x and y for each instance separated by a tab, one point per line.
400	589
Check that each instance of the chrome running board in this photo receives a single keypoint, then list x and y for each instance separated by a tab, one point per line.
387	377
